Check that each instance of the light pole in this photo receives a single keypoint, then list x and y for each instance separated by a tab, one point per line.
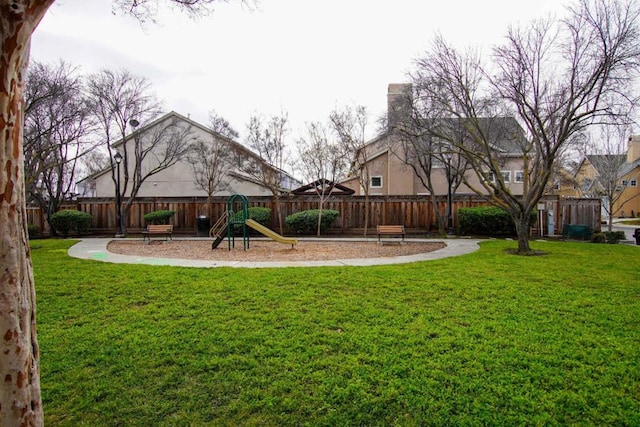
118	158
449	157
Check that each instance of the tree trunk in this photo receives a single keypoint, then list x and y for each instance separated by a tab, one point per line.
276	201
523	224
20	401
366	212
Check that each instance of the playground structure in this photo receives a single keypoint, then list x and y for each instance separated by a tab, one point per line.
237	216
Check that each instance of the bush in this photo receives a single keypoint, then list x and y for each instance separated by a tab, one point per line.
159	217
487	220
306	222
614	237
260	215
65	222
34	231
598	238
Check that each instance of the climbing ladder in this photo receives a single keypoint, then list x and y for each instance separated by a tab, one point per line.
218	231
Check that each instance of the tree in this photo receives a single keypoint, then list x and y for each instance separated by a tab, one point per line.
426	154
120	99
322	162
56	122
607	155
212	160
267	138
557	77
350	124
20	401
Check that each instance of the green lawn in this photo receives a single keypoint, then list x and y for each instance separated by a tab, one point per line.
483	339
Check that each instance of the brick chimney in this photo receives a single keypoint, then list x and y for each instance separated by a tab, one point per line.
399	99
633	150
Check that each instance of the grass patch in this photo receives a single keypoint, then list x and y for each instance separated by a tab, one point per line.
482	339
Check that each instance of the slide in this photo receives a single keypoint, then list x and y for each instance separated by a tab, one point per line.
270	233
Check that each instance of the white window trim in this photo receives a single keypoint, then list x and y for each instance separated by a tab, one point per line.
376	186
633	183
506	176
515	177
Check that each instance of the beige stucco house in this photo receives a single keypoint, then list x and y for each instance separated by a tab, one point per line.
594	168
178	180
388	173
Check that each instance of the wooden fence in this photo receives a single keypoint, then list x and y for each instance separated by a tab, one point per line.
416	213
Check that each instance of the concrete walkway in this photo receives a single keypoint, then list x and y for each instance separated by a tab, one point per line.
96	249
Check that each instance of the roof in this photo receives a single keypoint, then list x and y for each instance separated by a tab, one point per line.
175	115
327	187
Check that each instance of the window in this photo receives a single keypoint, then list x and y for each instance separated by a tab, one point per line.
556	186
519	176
506	175
376	182
633	183
625	183
491	177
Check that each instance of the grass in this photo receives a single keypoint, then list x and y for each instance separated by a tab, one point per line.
483	339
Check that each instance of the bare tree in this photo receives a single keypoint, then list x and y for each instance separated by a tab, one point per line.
120	99
220	125
56	124
267	137
322	162
557	77
607	155
426	154
20	401
212	160
350	124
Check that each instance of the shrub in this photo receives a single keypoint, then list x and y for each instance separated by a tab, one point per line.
159	217
598	238
306	222
34	231
614	237
67	221
260	215
487	220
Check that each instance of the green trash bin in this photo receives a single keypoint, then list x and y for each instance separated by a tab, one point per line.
577	232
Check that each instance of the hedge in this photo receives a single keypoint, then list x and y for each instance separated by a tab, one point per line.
67	221
487	221
159	217
306	222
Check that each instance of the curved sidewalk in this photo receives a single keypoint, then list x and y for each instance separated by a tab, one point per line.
96	249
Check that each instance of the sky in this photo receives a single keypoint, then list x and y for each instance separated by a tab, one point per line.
302	57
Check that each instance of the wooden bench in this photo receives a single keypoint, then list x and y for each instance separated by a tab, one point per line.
158	229
393	230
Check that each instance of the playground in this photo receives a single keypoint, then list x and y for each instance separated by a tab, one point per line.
271	251
231	241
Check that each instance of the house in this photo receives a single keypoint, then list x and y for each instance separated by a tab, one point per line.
388	168
615	176
178	180
562	183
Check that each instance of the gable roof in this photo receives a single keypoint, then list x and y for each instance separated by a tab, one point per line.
174	115
327	187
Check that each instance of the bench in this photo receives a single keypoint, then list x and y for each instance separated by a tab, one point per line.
393	230
158	229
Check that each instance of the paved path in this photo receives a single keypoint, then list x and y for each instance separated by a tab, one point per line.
96	249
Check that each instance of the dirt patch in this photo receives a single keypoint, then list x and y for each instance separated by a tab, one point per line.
269	251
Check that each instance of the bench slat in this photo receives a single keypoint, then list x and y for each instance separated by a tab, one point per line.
166	229
390	229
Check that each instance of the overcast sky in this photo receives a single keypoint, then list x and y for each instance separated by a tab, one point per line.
301	56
